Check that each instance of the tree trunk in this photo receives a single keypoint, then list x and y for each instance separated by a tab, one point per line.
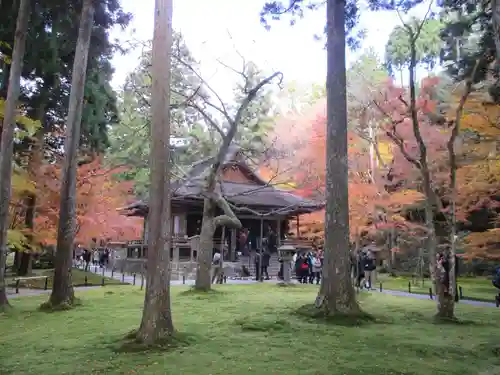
495	6
156	324
209	223
25	256
336	293
204	260
7	142
62	289
34	164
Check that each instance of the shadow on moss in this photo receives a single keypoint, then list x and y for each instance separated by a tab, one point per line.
311	312
457	322
131	344
202	294
263	324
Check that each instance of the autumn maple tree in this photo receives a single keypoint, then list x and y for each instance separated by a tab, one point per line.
99	195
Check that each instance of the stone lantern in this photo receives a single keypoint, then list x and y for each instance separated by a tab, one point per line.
286	253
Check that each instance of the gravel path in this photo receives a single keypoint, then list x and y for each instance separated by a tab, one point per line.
23	292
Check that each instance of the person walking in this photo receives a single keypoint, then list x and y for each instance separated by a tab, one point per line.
369	267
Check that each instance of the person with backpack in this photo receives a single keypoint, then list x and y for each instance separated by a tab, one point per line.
304	269
368	267
360	269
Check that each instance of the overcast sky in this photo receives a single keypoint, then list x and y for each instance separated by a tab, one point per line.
216	29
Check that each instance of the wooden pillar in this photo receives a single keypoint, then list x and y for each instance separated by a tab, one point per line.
278	233
182	224
298	229
175	254
259	270
145	229
233	245
195	245
144	237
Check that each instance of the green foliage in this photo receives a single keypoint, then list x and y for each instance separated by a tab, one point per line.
258	118
48	62
428	45
295	9
130	137
468	36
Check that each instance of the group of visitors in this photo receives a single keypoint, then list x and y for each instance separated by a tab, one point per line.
308	267
97	256
248	240
365	265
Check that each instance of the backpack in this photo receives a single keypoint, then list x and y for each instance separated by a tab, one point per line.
304	266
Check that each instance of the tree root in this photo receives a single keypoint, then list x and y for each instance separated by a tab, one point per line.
357	318
49	306
4	309
133	343
439	319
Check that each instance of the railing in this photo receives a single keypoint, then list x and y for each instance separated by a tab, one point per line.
179	242
299	244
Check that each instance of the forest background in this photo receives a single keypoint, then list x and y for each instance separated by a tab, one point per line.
282	129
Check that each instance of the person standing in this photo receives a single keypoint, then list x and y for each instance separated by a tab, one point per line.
272	240
316	267
216	267
266	257
304	269
258	267
243	241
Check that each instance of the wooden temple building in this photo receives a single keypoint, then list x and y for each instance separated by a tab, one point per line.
242	188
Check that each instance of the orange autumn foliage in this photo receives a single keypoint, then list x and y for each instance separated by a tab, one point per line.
99	195
310	179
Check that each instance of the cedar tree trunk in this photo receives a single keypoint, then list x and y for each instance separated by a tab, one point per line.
336	293
156	324
7	142
62	288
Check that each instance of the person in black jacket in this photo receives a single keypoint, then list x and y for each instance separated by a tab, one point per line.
368	267
266	257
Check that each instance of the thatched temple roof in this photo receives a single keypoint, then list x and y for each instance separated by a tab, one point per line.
240	185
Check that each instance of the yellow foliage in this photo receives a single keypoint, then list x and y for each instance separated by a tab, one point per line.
483	244
17	240
29	126
385	150
405	197
21	182
479	114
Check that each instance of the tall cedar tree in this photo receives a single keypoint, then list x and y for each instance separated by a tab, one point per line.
62	290
7	145
156	325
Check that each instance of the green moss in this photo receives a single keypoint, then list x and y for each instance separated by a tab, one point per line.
247	329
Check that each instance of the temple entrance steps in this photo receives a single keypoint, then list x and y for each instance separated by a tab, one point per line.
249	262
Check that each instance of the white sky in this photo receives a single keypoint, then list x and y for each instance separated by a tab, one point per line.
215	29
